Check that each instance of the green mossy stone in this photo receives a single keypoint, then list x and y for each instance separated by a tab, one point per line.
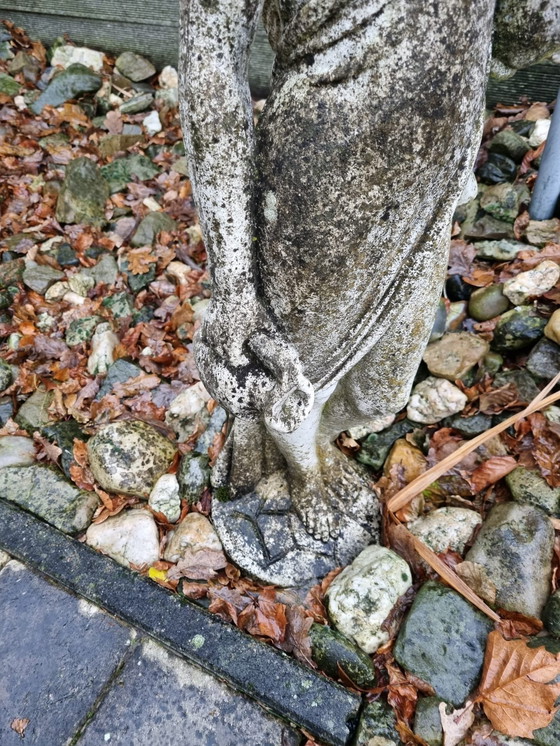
427	721
81	330
551	614
377	726
469	426
549	736
119	372
8	85
136	283
137	103
83	194
121	305
150	226
6	375
442	641
517	329
33	413
333	652
376	446
503	201
124	170
529	486
510	143
193	477
63	434
11	272
46	493
105	272
499	251
75	80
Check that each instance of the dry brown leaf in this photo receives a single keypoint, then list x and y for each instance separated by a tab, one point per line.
476	578
546	447
139	260
19	725
456	725
515	690
491	471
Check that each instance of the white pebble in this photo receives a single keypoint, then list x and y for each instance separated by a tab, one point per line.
433	399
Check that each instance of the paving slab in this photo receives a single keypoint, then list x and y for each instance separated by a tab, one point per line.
57	653
279	683
157	698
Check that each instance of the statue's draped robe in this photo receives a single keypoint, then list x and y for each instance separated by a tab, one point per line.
363	148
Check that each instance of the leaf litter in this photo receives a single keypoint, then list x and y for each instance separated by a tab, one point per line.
151	306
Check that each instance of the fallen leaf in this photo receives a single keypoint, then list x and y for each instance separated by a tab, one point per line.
516	690
139	260
491	471
476	578
546	447
198	564
19	725
456	725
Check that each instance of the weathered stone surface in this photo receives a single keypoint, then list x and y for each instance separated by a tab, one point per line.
187	409
544	359
6	375
509	143
500	251
58	653
515	546
46	493
138	103
39	277
442	641
362	596
113	144
152	123
130	538
193	476
123	170
503	201
427	721
33	413
529	486
378	444
103	345
83	194
433	399
470	426
262	533
522	381
63	434
134	66
486	303
195	533
454	355
15	450
119	372
377	726
129	456
551	614
66	55
11	272
161	699
8	85
81	330
517	329
165	498
446	528
533	283
332	651
68	84
541	232
151	225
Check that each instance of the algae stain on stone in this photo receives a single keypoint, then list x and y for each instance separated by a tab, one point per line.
197	641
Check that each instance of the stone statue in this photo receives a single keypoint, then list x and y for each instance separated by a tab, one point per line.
327	226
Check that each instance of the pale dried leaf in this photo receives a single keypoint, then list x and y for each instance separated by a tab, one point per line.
456	725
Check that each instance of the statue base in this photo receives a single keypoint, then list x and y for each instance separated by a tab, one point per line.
263	535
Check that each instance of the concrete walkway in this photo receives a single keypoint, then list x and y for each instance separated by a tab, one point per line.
80	677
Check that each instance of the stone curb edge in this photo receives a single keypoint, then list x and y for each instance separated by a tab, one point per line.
282	685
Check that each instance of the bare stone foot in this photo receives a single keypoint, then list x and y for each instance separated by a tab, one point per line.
314	507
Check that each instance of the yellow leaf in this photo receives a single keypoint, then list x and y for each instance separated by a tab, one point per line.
157	574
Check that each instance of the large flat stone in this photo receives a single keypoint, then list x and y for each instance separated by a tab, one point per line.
160	699
279	683
49	495
57	653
